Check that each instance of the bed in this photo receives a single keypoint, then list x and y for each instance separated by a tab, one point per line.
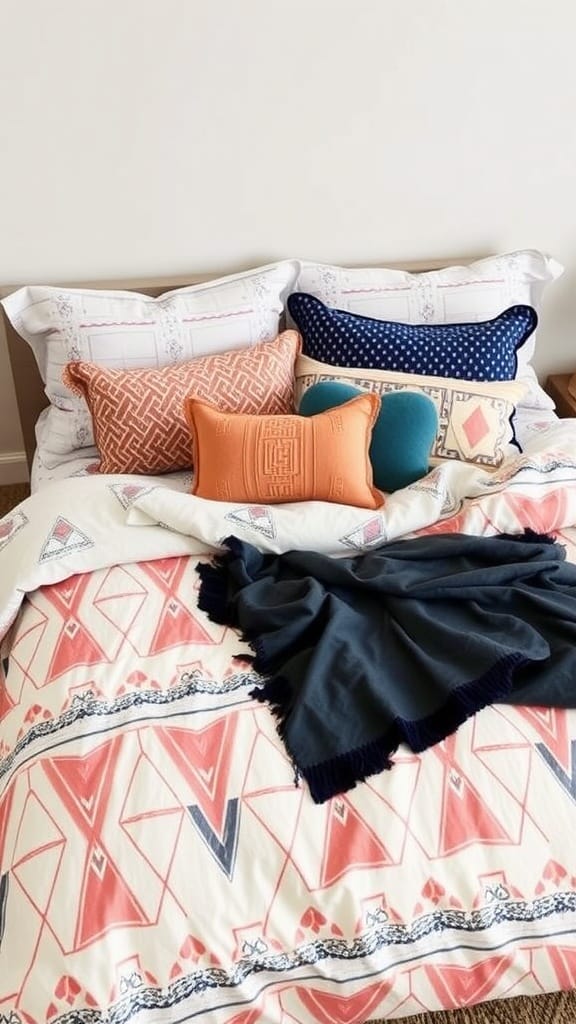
158	860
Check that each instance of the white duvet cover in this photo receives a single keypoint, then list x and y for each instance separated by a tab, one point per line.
158	862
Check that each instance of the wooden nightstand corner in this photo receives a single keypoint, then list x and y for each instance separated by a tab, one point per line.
562	389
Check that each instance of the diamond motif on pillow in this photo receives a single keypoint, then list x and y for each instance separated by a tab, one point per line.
476	427
474	418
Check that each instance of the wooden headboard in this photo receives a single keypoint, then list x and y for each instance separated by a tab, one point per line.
30	394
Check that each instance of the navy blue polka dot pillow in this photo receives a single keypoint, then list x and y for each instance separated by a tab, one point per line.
481	351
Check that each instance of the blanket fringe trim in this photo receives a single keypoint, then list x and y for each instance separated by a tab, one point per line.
342	772
529	536
213	597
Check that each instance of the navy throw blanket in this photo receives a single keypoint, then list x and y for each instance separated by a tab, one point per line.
400	644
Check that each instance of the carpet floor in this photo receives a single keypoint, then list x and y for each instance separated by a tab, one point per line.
12	494
558	1008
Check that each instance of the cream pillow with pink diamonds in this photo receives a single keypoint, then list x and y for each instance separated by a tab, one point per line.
474	419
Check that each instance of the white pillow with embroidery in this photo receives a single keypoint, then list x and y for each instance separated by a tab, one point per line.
458	294
127	330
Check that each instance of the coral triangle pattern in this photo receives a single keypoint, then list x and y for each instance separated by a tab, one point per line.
176	624
126	494
327	1008
350	842
369	534
63	538
257	518
463	986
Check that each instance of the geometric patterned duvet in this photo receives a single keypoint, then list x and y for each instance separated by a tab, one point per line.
157	861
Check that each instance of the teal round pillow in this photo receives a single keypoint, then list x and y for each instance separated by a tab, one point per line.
403	434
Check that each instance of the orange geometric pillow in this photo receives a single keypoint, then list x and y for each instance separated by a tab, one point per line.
271	459
138	415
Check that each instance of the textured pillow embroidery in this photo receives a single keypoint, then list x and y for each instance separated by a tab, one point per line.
138	415
484	351
474	419
271	459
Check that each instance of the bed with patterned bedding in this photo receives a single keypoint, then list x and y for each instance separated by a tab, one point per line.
158	862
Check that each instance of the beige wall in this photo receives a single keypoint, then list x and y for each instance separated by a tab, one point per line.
139	137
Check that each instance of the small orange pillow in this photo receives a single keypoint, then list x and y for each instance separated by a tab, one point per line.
138	415
271	459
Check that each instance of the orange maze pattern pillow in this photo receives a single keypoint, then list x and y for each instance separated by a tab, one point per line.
138	415
273	459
